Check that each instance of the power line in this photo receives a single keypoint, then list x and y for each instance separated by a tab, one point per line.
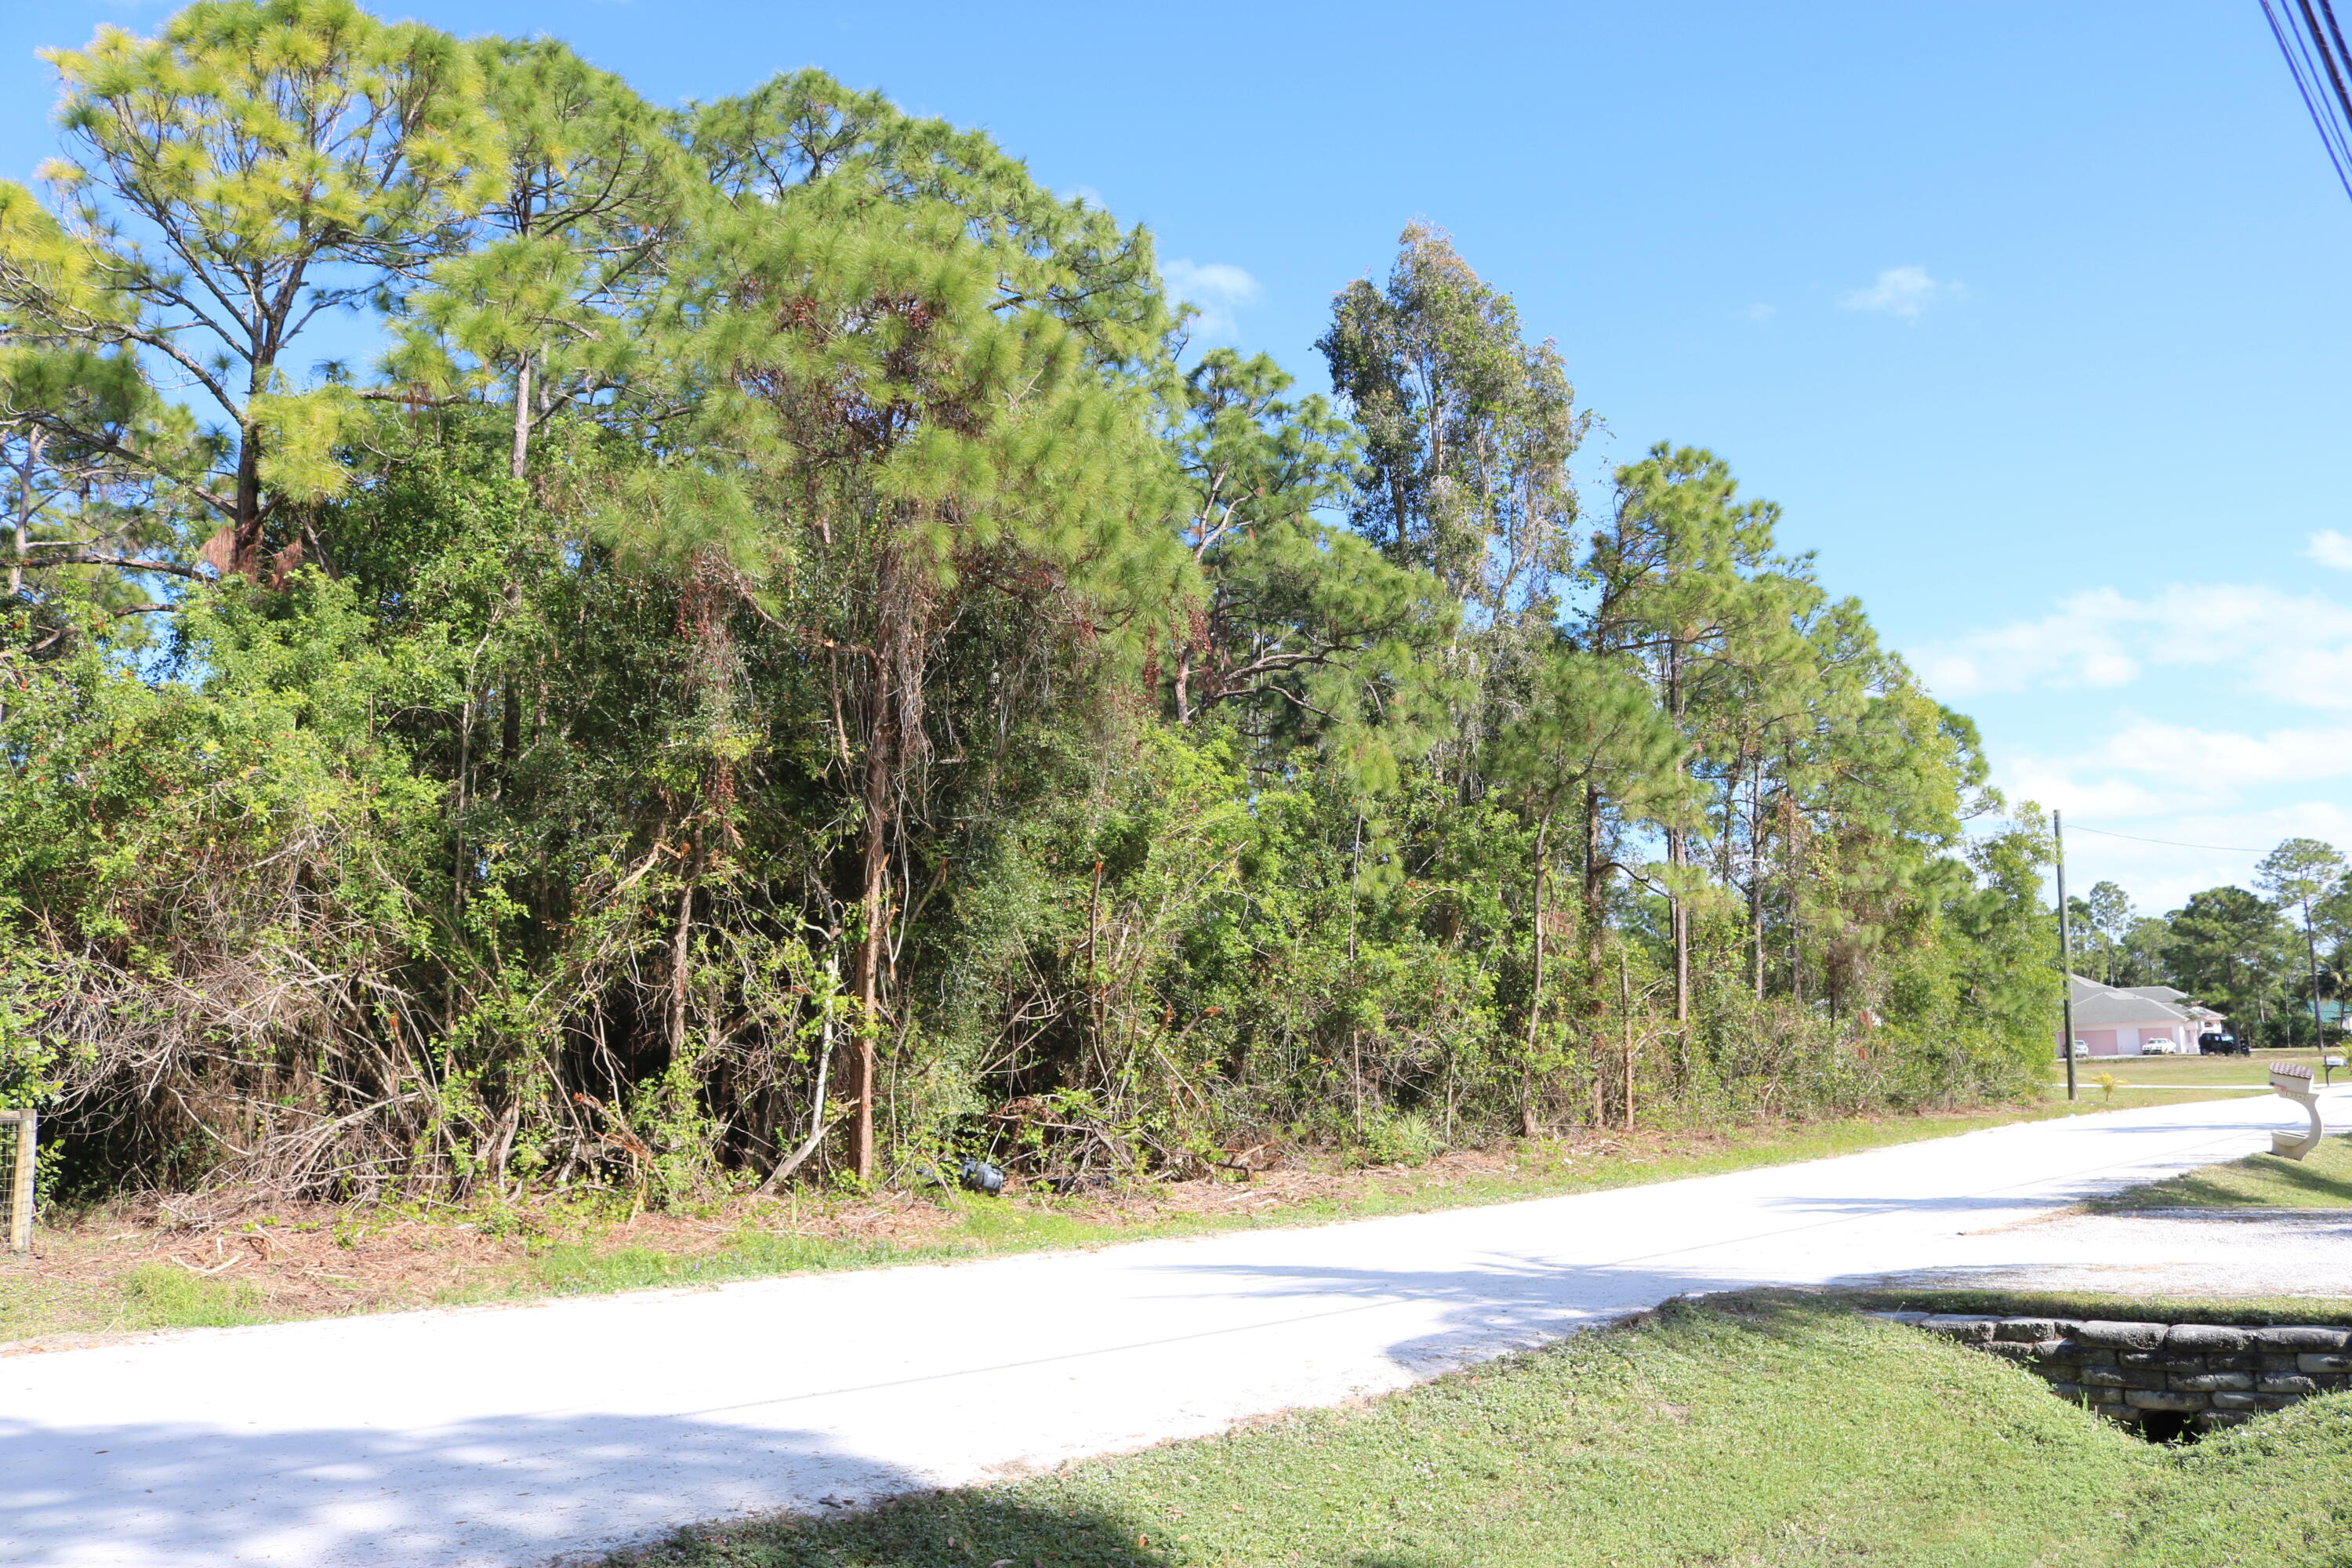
2316	58
2168	843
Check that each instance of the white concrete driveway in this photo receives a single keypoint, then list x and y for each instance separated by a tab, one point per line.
504	1437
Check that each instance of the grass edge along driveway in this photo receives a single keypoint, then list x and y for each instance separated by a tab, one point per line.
2320	1180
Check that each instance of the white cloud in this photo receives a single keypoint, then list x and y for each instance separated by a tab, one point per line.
2330	548
2296	649
2078	645
2188	789
1216	289
1904	291
2149	768
2190	851
1760	311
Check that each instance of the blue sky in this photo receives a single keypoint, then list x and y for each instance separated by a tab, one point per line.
2033	317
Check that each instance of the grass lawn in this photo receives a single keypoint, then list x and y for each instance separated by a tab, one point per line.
1733	1433
102	1273
2181	1072
2320	1180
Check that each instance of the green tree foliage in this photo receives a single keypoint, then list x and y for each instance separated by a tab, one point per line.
259	164
782	671
2263	957
554	292
2297	875
2229	946
2102	923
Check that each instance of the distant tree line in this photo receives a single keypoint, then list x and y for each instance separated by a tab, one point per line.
2258	954
786	666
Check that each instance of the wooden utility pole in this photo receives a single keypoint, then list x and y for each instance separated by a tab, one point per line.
2310	952
2066	953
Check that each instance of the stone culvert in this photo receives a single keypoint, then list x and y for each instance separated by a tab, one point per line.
2162	1379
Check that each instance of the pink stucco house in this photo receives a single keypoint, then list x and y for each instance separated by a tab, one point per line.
2121	1021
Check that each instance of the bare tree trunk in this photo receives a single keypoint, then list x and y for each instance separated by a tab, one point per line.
1681	961
522	450
869	950
1534	990
791	1163
34	441
1595	891
458	792
1625	1004
1796	912
678	953
1755	884
1678	852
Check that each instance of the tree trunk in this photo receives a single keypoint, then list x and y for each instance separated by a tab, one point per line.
862	1044
244	543
1534	990
1755	884
1681	961
1594	891
1677	851
34	442
521	452
678	953
458	795
1796	907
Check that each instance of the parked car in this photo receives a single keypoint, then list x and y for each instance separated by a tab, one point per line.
2159	1047
2213	1043
2082	1049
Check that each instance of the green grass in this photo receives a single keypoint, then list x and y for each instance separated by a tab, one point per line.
164	1296
1724	1434
2182	1072
2320	1180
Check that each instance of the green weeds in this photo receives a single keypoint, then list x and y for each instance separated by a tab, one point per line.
166	1296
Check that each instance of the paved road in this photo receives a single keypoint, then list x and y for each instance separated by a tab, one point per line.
504	1437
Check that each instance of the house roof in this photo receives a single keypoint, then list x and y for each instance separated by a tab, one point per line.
2101	1006
2109	1009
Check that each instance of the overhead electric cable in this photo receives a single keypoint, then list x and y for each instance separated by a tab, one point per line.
2317	97
2333	134
2169	843
2328	10
2331	57
2327	89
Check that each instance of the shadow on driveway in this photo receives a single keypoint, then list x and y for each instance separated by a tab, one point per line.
507	1493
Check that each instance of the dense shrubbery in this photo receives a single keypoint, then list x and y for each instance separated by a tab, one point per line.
779	663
